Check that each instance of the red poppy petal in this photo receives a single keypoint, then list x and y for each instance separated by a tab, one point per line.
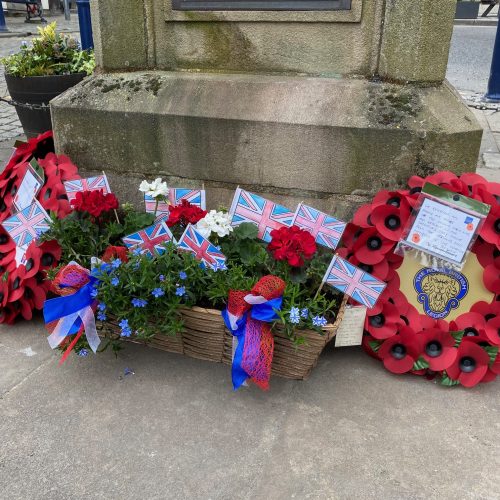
399	366
444	361
474	378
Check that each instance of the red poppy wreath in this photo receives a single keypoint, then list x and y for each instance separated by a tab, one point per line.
456	344
23	287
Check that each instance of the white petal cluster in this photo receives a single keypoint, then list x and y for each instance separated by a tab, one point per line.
215	222
155	189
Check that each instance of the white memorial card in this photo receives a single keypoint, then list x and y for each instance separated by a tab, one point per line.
351	329
442	231
28	189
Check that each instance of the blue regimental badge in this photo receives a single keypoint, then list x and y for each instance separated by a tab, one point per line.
440	291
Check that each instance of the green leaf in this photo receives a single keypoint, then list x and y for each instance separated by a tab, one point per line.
458	336
421	364
375	345
448	382
246	231
492	353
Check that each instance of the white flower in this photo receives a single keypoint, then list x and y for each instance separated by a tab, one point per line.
215	222
155	189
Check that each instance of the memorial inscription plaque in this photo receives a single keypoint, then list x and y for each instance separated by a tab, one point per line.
262	5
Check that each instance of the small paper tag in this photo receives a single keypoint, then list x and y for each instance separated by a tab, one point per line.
351	329
21	255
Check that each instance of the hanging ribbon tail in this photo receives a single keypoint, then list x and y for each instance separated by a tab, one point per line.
247	317
70	315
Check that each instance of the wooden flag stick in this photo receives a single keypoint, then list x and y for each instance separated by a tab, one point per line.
116	213
319	289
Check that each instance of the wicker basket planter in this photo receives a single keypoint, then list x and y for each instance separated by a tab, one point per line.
206	337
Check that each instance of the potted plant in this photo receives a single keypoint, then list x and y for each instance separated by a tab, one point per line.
38	73
467	9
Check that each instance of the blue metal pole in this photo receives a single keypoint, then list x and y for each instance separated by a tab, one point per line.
3	26
85	21
493	93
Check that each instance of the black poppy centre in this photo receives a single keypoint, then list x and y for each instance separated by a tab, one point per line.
392	222
377	321
398	351
434	349
374	243
467	364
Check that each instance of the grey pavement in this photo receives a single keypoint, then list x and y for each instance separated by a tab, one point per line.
175	430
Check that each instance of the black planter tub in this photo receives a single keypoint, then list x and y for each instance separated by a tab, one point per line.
38	90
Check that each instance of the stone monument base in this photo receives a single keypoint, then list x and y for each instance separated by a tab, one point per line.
291	138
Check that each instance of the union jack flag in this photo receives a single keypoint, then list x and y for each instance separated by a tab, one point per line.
192	241
353	281
27	225
193	196
150	239
89	184
326	229
161	211
266	215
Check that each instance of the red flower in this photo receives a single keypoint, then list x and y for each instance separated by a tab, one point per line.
292	244
400	352
371	247
94	202
112	253
438	348
491	277
16	284
59	166
490	231
362	217
485	252
390	220
185	214
473	325
383	321
470	366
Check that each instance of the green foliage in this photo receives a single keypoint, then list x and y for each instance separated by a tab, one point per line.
51	53
492	353
375	345
448	382
458	336
420	364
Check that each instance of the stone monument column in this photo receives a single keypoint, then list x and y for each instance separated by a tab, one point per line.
300	100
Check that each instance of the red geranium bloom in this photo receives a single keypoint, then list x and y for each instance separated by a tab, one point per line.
400	352
185	214
112	253
292	244
383	321
470	366
438	348
371	247
490	231
94	202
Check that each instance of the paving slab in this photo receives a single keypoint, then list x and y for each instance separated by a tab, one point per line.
176	430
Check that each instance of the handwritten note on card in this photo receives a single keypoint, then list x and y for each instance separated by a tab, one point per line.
351	329
442	231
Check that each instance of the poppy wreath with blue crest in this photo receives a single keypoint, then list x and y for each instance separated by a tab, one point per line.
464	351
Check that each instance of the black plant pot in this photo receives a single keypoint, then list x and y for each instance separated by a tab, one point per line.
38	90
467	10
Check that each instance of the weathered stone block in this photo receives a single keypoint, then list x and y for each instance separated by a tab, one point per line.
327	141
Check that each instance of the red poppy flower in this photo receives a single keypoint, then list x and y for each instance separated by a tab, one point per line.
16	284
7	261
472	324
6	242
59	166
371	247
438	348
380	270
486	253
53	197
489	377
351	235
488	311
390	220
362	216
51	254
32	257
490	231
383	321
491	277
292	244
112	253
470	366
185	214
8	315
365	344
492	329
400	352
4	293
439	178
34	294
472	179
